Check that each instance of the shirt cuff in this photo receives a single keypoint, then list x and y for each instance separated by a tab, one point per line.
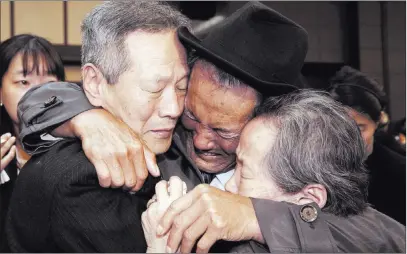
4	178
46	107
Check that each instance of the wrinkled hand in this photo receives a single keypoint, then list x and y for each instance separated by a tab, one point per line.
118	154
166	193
209	214
7	150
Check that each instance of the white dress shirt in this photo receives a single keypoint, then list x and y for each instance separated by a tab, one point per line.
221	179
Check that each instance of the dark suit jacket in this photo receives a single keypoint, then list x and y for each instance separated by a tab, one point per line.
6	190
58	206
387	187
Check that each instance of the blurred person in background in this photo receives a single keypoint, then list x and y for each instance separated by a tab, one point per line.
397	132
400	132
26	61
366	100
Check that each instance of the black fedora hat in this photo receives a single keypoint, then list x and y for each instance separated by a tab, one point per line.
256	44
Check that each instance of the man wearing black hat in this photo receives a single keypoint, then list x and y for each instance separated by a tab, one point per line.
250	67
227	82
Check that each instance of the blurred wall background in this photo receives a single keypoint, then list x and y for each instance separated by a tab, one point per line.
370	36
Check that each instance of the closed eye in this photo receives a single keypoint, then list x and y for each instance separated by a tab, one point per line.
189	115
226	134
182	84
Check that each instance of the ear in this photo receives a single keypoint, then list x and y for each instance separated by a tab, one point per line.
93	82
313	193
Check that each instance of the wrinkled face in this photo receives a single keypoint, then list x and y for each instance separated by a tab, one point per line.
15	84
149	97
251	177
214	118
367	127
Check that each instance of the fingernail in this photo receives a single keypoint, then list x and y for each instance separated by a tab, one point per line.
168	250
157	170
160	230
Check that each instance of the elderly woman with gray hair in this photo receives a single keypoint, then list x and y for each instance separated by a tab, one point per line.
305	152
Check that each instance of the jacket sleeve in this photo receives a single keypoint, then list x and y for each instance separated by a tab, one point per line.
284	230
88	218
46	107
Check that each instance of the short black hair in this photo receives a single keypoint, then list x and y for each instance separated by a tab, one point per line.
30	47
358	91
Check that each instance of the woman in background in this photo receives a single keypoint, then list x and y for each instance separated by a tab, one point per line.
26	61
386	166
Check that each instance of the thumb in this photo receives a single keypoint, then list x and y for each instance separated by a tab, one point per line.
151	162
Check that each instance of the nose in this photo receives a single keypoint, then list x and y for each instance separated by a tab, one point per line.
203	138
37	82
172	105
231	185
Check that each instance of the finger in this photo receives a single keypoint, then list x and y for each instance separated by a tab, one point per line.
8	158
184	221
4	138
175	188
144	220
152	200
116	172
7	145
140	168
192	234
103	173
129	173
152	212
150	216
176	208
161	190
207	241
184	188
151	162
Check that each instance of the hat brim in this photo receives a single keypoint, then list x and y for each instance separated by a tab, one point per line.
266	88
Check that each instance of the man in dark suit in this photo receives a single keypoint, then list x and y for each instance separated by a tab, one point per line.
130	50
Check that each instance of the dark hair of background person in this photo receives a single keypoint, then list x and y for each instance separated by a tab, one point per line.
358	91
31	47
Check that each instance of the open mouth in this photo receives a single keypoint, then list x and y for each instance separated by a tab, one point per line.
207	155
